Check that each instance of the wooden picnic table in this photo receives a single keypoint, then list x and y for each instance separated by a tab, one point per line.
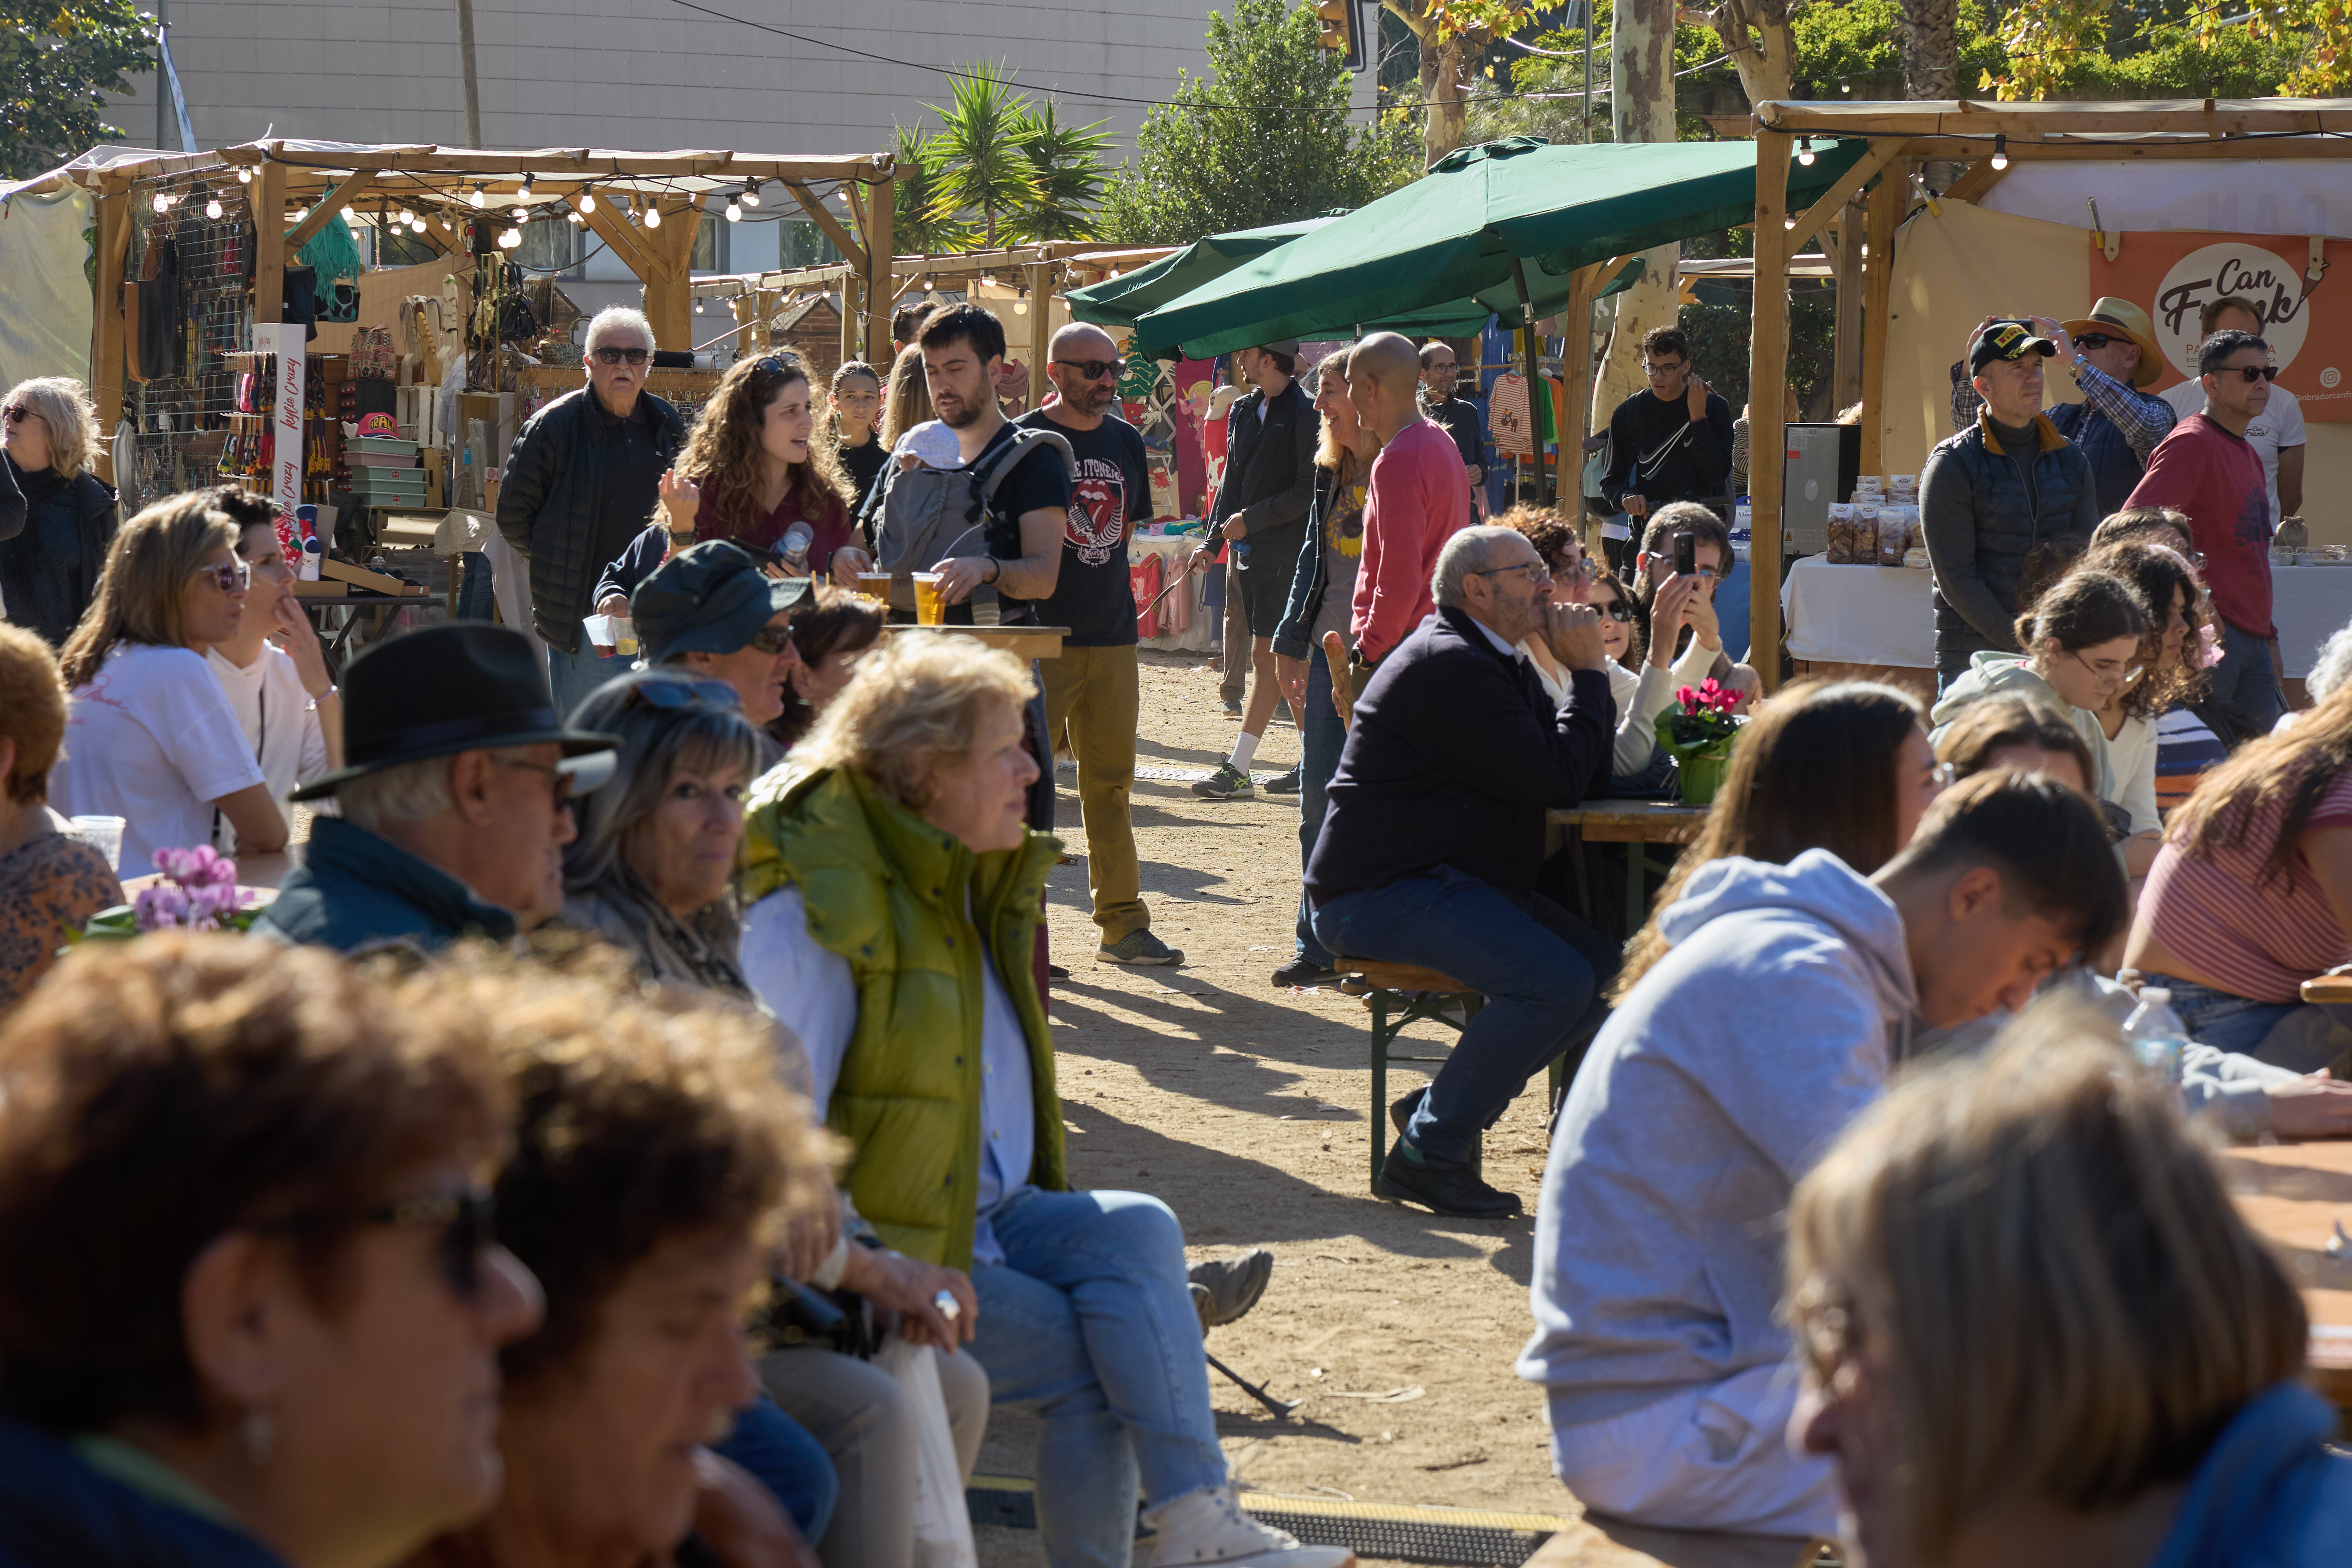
2292	1194
1028	641
1636	824
255	875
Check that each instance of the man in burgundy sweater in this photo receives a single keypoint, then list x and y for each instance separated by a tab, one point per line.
2207	468
1419	495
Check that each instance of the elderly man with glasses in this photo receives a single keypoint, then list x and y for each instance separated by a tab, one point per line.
1671	442
581	485
1441	369
1434	830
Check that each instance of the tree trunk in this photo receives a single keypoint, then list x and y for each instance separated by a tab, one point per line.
1640	108
1447	115
1931	68
1756	34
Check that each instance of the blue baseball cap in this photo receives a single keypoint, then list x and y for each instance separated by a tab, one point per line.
712	598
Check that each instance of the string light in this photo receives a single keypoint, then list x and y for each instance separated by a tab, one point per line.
522	214
212	206
245	176
163	203
750	194
734	210
476	196
522	192
587	200
573	218
405	217
416	223
1805	152
2001	153
653	216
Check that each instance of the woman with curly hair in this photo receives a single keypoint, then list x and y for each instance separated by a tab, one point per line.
2172	672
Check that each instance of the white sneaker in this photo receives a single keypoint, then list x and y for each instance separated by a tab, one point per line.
1208	1527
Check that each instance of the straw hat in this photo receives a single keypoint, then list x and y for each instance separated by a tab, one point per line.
2122	319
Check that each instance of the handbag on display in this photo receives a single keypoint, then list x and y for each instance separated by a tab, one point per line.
341	305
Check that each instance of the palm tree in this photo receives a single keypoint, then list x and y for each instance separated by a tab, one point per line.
980	164
1070	176
913	227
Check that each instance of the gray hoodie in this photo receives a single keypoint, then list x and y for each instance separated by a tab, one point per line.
1715	1085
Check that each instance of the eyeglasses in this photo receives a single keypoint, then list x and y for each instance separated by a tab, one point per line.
670	695
1093	370
17	413
611	355
1616	609
467	1219
1656	371
2092	340
2107	679
1582	571
1533	571
558	782
771	640
233	577
2251	373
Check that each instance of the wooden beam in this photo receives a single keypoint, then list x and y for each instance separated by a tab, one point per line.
1040	278
1881	153
1980	177
669	296
1884	212
323	210
267	195
853	316
881	200
1768	376
106	354
608	225
1845	335
2208	117
1576	381
851	251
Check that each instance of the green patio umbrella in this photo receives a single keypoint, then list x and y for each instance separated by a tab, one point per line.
1490	228
1117	302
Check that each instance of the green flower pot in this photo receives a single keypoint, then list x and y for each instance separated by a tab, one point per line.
1699	769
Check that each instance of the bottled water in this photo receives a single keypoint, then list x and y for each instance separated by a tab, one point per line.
2155	1035
795	549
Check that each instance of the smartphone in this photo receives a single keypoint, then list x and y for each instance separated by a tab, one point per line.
1685	555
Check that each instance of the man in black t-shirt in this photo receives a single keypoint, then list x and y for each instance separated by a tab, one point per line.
1094	688
1440	368
1671	442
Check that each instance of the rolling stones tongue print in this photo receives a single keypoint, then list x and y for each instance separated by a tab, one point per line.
1098	509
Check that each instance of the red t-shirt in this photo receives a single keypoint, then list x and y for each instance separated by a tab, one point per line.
2256	938
1419	498
2217	478
831	527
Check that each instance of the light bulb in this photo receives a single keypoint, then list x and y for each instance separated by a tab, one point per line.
405	217
587	201
418	225
2001	153
1789	223
734	211
653	216
697	307
522	192
1021	308
163	203
1805	152
522	214
447	227
751	195
212	208
573	218
245	176
476	196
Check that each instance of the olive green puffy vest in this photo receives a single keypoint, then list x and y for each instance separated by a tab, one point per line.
887	892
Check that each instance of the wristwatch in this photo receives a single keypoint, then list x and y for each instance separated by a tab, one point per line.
998	573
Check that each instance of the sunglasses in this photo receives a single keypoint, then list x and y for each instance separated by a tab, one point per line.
1093	370
671	696
234	577
2251	373
788	369
1616	609
467	1219
17	413
771	640
2092	340
609	356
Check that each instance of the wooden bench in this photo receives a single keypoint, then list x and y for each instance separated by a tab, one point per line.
1412	993
1592	1543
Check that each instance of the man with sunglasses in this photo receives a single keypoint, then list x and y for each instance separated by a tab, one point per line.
580	486
712	610
2277	434
2209	469
455	798
2112	357
1095	687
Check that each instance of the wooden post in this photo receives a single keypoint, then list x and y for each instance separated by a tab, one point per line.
1886	212
106	353
1576	384
853	310
750	325
267	195
1845	258
670	303
1040	278
1767	377
881	200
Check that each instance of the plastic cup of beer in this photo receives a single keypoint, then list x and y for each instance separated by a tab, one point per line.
930	608
874	585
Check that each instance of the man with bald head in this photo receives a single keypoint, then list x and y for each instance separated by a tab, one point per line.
1092	689
1419	495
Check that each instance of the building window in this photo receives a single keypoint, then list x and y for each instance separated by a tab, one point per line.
549	244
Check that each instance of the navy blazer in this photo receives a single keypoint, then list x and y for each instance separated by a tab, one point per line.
1455	756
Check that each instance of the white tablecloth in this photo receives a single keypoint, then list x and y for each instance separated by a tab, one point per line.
1885	615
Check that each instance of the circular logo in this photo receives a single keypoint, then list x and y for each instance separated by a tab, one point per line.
2330	377
2243	267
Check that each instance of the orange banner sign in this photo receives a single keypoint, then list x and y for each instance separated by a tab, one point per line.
2307	320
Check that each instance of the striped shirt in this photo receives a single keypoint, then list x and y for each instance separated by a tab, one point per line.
2186	750
2251	939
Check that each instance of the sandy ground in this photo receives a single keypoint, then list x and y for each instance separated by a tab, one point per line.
1244	1108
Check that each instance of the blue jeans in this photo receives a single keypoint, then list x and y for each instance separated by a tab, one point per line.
1321	737
781	1453
574	676
2259	1030
475	589
1538	966
2243	699
1089	1322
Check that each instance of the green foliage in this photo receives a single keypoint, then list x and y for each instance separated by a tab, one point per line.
58	65
980	164
1265	138
913	229
1066	162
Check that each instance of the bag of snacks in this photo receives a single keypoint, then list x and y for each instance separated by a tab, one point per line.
1893	533
1866	533
1840	534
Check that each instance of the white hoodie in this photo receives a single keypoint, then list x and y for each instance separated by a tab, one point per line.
1712	1089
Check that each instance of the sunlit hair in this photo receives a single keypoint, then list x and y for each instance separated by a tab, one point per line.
1814	770
32	712
2155	524
2297	766
142	593
915	708
841	622
158	1094
723	453
2157	573
1346	469
656	743
2083	609
908	401
1546	529
617	318
1464	554
1988	726
64	406
1637	629
2052	1287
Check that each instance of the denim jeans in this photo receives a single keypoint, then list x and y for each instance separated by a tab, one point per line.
1321	737
1538	966
1089	1322
2297	1036
779	1452
574	676
2243	699
475	589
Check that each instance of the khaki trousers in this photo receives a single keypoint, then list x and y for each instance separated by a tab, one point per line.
1095	693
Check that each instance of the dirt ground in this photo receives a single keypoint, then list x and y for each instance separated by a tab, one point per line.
1244	1108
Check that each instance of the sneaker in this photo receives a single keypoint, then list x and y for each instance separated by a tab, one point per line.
1208	1527
1284	783
1138	947
1441	1186
1225	1290
1233	707
1303	971
1055	972
1227	783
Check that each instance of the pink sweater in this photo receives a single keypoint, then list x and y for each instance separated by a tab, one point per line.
1420	498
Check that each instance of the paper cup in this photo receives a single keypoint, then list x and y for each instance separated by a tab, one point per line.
103	834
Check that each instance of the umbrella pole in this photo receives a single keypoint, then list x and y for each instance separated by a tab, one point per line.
1535	383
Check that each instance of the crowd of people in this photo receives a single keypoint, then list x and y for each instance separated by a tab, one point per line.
618	1001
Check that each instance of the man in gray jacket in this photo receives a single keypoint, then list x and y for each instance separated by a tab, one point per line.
1779	1011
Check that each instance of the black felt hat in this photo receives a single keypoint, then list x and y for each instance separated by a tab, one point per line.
464	687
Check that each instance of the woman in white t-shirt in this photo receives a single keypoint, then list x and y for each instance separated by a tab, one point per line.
150	735
274	669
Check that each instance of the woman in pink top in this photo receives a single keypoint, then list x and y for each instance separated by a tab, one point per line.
756	464
2252	895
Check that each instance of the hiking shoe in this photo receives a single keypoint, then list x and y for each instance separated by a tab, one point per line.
1233	707
1303	971
1138	947
1227	783
1284	783
1441	1186
1207	1529
1225	1290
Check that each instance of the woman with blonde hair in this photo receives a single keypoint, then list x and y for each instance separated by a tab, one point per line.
48	569
151	737
2035	1328
908	401
50	882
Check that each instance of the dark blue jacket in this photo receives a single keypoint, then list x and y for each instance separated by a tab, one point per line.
2268	1493
1309	580
58	1512
1981	516
1453	760
355	890
2116	469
